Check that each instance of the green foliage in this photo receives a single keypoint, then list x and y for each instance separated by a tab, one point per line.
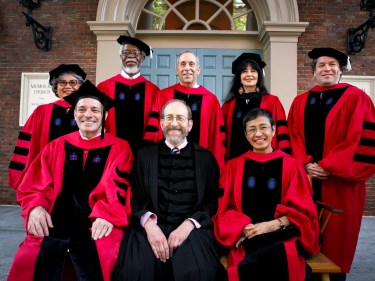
159	7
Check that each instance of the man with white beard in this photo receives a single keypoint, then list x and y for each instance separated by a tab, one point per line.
133	93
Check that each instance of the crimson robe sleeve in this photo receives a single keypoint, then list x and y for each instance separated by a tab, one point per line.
27	147
153	131
281	139
227	112
110	200
297	204
354	157
229	220
36	188
216	132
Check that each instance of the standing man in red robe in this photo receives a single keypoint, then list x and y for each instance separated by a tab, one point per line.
75	199
133	93
332	132
208	129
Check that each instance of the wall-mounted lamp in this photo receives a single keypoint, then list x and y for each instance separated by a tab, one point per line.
357	36
41	34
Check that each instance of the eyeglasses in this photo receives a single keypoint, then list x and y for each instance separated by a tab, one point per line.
180	119
127	53
262	129
72	83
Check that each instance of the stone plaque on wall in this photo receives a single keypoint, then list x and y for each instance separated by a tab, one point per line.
35	90
365	83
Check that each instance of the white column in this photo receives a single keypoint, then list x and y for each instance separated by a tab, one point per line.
279	41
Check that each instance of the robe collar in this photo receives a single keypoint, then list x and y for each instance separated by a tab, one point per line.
181	146
264	157
319	88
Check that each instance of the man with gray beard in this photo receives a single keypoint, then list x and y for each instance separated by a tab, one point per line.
133	93
174	197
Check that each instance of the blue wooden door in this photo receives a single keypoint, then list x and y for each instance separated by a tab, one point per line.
216	68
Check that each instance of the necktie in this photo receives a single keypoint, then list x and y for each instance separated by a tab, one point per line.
175	150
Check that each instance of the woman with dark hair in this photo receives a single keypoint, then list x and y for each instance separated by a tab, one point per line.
47	122
248	91
267	217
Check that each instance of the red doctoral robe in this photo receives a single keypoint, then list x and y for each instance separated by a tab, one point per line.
109	199
296	203
133	102
348	155
46	123
208	126
268	102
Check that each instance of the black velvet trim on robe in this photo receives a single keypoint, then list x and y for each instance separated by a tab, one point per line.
261	189
364	158
20	151
195	103
62	122
177	187
267	263
71	237
261	192
238	142
318	105
123	186
129	115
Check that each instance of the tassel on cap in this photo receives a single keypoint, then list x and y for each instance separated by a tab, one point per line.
151	56
348	64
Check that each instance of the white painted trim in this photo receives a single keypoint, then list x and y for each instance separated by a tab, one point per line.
365	83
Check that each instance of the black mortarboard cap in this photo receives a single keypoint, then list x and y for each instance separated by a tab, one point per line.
136	42
342	58
247	56
89	90
62	68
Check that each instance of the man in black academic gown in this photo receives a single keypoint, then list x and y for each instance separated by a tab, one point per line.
174	197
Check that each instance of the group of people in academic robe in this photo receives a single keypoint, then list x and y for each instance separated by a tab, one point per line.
229	179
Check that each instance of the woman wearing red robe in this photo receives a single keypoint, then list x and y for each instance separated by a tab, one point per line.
267	196
47	122
247	92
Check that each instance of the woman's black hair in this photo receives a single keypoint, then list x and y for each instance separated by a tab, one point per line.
236	81
254	114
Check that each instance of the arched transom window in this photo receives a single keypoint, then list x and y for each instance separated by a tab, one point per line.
162	15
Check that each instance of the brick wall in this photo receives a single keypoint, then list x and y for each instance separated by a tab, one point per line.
72	42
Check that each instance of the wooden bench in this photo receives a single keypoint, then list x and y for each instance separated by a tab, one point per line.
320	263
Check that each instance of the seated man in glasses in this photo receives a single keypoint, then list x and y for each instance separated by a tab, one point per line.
47	122
133	93
174	185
